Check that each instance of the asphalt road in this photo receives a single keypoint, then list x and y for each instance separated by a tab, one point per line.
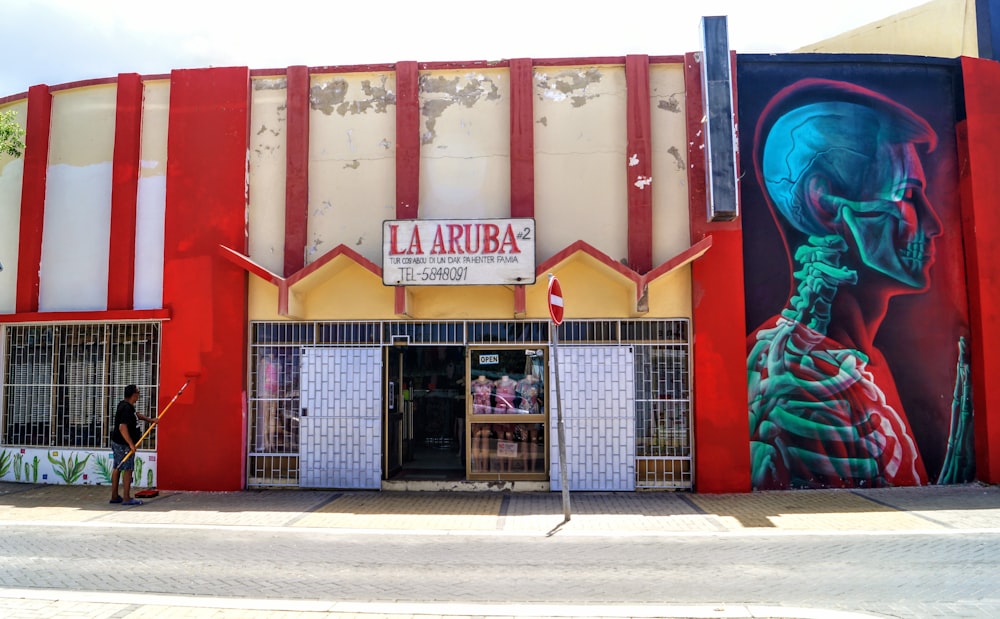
951	574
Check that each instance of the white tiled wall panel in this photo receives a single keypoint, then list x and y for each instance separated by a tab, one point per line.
341	426
598	408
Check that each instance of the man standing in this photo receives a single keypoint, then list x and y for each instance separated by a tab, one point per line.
124	438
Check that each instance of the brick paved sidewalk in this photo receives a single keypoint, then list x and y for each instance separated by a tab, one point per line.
972	507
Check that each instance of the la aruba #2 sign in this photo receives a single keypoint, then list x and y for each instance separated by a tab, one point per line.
458	252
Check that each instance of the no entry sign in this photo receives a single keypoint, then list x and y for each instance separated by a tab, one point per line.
555	301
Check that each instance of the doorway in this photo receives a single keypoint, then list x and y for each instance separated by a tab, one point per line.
425	413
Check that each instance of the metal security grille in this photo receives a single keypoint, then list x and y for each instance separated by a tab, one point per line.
274	398
597	396
661	382
663	412
663	458
341	418
62	382
275	375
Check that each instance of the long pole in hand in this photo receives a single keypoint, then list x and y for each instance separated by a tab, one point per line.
131	452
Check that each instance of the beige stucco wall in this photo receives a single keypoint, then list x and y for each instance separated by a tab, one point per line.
942	28
671	233
580	160
344	290
151	198
262	300
268	138
352	162
580	175
463	302
465	144
83	125
77	222
11	175
155	116
670	295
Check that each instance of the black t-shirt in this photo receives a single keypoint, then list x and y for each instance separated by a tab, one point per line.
125	414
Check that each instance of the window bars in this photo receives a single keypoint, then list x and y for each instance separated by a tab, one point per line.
663	416
663	409
62	382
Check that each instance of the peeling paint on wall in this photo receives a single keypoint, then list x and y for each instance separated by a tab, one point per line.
441	92
327	205
678	160
670	104
477	87
277	83
268	148
570	84
333	97
313	250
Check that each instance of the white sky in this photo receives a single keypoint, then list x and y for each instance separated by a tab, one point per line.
58	41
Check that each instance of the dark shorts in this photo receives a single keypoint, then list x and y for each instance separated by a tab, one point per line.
120	451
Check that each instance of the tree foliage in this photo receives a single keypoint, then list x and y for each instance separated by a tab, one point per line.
11	135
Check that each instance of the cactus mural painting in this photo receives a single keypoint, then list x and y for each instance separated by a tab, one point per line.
33	465
69	468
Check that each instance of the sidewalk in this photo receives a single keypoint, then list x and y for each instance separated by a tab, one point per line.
938	509
931	508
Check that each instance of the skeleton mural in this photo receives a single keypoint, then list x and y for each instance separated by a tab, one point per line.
840	167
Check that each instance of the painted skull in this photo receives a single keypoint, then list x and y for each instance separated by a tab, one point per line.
850	168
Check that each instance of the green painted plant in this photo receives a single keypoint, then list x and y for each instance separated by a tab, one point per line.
18	457
104	467
68	468
34	470
137	473
5	461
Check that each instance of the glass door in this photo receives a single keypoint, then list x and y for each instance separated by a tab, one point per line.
508	421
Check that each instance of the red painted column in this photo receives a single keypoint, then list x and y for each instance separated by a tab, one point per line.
36	163
124	192
407	140
522	152
978	141
639	165
407	152
522	138
718	351
201	445
296	168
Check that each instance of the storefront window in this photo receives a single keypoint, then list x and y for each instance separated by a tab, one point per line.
507	448
506	434
62	382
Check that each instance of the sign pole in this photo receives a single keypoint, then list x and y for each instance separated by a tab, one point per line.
556	313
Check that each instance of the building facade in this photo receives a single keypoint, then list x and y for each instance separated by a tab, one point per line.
347	270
